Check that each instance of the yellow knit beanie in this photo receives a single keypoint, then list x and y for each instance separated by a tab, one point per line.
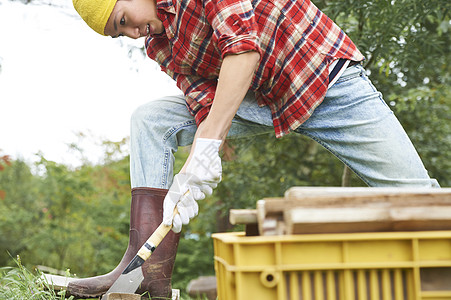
95	12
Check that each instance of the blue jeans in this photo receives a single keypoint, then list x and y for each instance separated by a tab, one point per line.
353	123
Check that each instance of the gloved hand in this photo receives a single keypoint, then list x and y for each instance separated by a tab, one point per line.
203	173
205	165
184	196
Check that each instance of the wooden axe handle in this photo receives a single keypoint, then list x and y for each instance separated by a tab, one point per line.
155	239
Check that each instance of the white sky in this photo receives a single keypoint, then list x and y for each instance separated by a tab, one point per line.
59	77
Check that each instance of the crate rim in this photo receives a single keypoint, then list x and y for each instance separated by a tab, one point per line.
240	236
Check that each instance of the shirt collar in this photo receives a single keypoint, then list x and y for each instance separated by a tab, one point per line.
166	6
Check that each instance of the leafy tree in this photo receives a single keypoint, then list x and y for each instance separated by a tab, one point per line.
407	46
19	212
63	217
61	192
425	112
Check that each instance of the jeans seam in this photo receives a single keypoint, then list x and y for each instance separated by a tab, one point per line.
173	129
164	178
166	136
301	131
373	88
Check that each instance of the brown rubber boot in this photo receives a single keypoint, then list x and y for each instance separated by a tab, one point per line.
145	216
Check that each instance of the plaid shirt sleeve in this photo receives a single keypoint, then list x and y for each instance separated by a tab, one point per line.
234	25
199	93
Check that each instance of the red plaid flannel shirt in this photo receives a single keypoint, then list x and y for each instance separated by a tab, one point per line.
296	41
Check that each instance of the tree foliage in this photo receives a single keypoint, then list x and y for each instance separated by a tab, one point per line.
62	217
408	53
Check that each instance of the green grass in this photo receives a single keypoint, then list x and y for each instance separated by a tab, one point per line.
18	283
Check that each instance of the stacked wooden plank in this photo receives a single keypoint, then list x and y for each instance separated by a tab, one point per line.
345	210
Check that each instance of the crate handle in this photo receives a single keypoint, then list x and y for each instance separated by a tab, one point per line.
269	278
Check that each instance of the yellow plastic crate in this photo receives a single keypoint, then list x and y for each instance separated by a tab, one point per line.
358	266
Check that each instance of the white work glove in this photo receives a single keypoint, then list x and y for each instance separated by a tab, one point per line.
203	174
184	196
205	165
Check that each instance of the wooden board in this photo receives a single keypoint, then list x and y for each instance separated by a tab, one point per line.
300	191
123	296
272	219
243	216
337	196
269	224
349	197
247	217
58	282
366	219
